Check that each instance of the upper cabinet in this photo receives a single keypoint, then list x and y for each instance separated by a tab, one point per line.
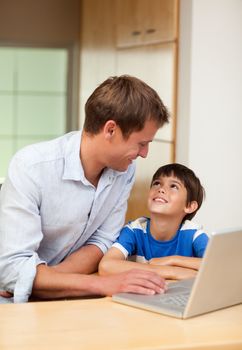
142	22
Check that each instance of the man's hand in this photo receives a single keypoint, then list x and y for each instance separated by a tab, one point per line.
133	281
5	294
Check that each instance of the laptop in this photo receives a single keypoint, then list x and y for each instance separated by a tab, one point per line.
217	285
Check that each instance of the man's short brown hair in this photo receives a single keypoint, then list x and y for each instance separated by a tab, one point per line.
128	101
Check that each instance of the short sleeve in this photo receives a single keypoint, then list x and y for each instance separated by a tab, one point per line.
126	240
200	244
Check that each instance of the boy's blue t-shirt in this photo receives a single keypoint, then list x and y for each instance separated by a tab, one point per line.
136	241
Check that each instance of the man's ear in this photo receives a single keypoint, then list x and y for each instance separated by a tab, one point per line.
191	207
109	129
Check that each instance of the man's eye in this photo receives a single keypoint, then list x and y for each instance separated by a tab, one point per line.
142	144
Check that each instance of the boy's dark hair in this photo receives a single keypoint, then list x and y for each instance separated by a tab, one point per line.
195	191
128	101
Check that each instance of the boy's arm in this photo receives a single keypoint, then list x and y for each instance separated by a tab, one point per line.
114	262
178	260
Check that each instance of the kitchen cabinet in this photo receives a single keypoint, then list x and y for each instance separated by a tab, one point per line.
142	22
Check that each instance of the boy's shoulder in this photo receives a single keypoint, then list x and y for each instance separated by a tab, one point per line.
190	225
138	224
194	229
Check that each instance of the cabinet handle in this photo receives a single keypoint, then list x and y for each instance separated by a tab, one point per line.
150	30
136	32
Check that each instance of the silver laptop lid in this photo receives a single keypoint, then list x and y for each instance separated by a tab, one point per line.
219	280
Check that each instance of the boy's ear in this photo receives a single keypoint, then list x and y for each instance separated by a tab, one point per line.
191	207
109	129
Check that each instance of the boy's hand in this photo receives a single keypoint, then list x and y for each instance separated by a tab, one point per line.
167	260
176	267
181	273
179	261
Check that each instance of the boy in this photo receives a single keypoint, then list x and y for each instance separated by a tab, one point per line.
167	242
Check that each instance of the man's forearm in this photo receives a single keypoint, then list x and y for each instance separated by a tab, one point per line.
50	283
69	278
83	261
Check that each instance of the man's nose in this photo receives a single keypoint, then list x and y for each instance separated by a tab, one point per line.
143	152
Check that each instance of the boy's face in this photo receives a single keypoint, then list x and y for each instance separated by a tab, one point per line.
124	151
168	196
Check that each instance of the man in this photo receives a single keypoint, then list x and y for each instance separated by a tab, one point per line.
64	201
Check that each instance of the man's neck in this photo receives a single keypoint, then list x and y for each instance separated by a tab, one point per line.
89	156
163	228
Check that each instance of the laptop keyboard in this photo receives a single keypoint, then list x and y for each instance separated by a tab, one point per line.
179	300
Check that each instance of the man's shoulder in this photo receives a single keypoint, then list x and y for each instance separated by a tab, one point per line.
45	151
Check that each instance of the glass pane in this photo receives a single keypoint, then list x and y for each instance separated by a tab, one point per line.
6	115
24	141
42	70
6	152
41	115
33	98
6	69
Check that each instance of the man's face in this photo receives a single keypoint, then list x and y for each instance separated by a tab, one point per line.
124	151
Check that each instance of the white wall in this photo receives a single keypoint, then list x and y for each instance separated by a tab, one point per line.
209	132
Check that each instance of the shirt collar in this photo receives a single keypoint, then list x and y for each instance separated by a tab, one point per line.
73	169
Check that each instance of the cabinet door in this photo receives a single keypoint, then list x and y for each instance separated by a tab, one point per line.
159	21
154	64
129	19
141	22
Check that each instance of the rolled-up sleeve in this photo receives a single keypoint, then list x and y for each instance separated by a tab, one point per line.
20	231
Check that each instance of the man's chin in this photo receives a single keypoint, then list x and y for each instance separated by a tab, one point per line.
121	168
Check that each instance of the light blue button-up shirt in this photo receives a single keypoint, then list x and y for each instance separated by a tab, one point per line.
48	209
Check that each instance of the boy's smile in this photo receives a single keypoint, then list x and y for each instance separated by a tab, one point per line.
160	199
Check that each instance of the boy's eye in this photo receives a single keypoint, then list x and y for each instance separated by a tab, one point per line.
156	184
175	186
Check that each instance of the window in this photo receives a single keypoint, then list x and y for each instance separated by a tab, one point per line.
33	98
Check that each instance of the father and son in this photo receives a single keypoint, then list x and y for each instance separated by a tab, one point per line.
63	205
